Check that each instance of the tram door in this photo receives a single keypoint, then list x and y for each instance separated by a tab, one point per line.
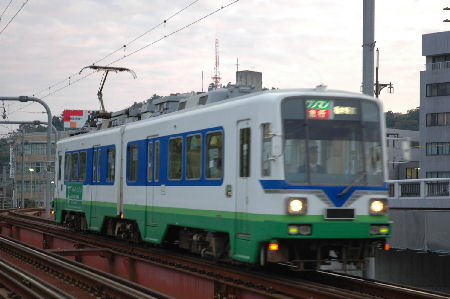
96	157
242	177
149	199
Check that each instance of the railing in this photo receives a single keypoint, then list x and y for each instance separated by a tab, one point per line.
437	66
419	188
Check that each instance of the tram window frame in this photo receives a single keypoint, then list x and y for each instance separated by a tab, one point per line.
219	157
83	166
59	167
74	166
157	160
175	156
67	162
193	171
133	162
99	164
244	152
111	164
150	161
94	166
266	149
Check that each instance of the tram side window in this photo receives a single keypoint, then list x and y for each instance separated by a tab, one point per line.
94	167
67	167
150	162
132	163
175	158
244	152
157	161
111	153
266	149
214	150
99	163
59	167
75	166
83	161
194	157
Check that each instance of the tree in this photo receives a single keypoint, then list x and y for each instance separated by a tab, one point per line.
408	121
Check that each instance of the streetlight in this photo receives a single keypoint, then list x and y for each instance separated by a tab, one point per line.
31	170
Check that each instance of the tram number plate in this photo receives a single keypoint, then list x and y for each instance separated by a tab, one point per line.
340	214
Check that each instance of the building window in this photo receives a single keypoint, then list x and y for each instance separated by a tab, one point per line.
175	158
132	163
438	119
438	149
214	150
392	139
438	174
111	154
412	173
438	89
194	156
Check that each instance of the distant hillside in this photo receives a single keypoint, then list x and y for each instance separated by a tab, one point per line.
407	121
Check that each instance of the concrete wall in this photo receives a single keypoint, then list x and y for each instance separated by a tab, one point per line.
423	270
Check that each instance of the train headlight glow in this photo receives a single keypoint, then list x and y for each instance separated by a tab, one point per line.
296	206
379	229
300	229
378	206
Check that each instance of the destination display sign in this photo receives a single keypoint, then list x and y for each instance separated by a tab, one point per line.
318	109
330	109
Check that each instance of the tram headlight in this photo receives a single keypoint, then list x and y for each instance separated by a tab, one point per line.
296	206
378	206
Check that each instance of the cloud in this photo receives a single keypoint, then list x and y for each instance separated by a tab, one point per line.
294	43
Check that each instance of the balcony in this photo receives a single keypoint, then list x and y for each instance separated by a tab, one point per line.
436	66
419	188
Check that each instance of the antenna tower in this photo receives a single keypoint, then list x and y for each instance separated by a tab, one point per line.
216	78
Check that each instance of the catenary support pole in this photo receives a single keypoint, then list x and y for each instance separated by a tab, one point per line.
368	45
49	151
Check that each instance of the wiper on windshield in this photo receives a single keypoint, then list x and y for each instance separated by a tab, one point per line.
357	179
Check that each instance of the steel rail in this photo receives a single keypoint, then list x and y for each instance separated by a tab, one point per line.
103	284
27	285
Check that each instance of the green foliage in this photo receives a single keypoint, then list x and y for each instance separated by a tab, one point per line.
407	121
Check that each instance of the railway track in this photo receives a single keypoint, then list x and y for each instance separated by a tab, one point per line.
19	282
230	281
41	274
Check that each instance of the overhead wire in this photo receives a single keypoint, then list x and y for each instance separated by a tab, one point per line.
147	45
9	22
1	16
120	48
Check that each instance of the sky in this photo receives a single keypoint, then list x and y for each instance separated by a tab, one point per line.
294	43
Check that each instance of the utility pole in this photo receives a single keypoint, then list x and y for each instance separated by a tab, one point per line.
368	45
24	99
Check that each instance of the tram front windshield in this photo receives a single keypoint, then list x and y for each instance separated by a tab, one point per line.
332	141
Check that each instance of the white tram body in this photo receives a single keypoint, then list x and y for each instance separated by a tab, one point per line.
234	179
